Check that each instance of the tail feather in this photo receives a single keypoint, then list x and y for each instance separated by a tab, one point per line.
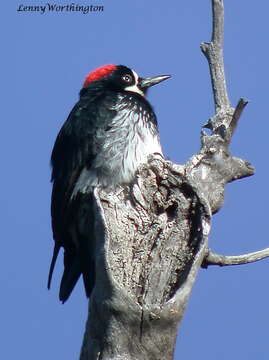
53	262
70	277
89	278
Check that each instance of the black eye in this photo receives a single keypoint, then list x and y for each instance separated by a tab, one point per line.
127	78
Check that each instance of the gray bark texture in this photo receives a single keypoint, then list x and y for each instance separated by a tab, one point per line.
151	237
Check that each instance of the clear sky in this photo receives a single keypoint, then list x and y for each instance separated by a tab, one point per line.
44	60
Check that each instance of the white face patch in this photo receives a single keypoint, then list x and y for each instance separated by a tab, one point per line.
135	88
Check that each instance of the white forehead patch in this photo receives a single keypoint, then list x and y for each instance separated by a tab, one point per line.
135	88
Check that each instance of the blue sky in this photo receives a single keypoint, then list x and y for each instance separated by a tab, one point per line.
45	58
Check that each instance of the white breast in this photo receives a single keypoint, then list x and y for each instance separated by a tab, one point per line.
136	154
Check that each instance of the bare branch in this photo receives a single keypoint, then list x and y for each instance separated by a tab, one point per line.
214	166
214	54
222	260
218	23
237	113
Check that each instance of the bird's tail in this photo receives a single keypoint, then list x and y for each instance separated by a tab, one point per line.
70	277
53	262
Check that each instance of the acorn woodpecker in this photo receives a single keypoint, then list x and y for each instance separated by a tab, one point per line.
110	132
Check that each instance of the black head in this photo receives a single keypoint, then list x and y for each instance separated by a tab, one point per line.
121	78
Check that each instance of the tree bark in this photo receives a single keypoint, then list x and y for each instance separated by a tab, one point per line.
151	240
151	237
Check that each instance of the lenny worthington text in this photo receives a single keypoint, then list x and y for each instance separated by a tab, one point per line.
85	9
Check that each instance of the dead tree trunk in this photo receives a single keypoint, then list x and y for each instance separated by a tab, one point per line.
152	237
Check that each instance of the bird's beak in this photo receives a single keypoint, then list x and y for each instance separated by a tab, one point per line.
146	83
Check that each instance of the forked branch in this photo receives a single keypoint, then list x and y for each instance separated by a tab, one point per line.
223	124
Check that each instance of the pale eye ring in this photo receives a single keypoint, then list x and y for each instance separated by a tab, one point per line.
127	78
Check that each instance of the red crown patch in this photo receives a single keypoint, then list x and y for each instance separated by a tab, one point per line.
99	73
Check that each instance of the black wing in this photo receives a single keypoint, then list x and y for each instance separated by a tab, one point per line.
73	150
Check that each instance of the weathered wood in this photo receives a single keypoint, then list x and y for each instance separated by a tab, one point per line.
151	237
151	240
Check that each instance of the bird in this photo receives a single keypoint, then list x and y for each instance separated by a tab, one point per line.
109	133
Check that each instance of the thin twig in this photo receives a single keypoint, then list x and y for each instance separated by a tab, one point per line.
222	260
237	113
